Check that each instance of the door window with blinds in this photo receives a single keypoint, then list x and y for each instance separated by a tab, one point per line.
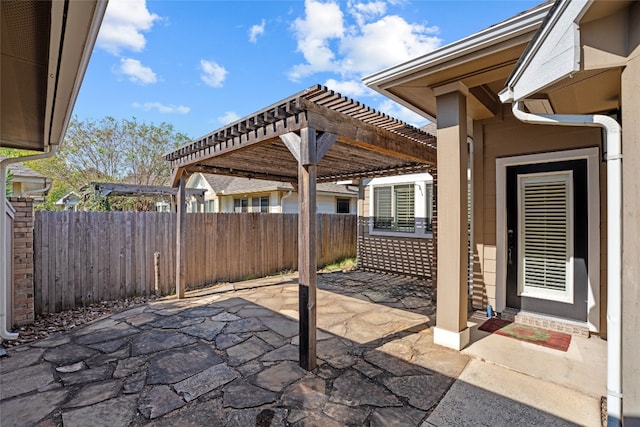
545	242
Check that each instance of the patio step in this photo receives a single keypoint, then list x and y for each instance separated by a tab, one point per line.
546	322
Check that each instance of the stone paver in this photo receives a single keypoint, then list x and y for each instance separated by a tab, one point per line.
230	357
207	380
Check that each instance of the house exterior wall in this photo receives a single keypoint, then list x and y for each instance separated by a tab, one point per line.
23	298
412	256
631	224
509	137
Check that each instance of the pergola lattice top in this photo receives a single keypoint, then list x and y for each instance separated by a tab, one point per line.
369	143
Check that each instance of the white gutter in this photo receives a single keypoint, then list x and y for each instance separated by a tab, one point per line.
614	240
38	191
4	333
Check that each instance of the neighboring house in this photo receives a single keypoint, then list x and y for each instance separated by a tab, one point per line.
236	194
555	238
25	182
68	202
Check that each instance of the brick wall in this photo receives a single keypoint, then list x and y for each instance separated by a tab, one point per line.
23	299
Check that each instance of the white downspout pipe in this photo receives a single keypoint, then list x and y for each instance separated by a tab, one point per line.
4	333
289	194
614	242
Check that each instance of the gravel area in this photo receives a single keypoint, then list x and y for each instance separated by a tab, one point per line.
47	325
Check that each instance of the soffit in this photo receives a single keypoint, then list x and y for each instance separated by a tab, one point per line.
45	49
23	65
587	92
487	68
369	143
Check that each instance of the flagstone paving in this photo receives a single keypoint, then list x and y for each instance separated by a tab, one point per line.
230	357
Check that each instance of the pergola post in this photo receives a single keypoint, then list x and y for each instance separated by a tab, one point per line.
181	210
307	264
308	150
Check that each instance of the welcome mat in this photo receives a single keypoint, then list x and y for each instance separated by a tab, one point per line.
552	339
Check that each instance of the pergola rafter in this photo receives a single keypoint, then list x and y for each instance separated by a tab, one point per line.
314	136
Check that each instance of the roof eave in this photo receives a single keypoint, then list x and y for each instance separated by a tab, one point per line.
494	35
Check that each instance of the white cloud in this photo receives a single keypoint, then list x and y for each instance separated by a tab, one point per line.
363	12
388	41
351	88
374	42
123	26
402	113
162	108
255	31
137	72
212	74
228	117
322	23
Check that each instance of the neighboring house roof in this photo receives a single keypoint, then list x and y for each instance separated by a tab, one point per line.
431	128
69	199
225	185
20	170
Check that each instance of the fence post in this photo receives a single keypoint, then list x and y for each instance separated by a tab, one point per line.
156	267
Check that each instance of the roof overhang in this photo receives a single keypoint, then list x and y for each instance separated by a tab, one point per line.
369	143
45	50
477	61
576	58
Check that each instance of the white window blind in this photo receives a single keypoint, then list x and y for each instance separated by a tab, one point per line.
545	233
383	216
404	208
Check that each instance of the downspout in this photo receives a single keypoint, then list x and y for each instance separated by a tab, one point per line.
4	333
282	200
614	242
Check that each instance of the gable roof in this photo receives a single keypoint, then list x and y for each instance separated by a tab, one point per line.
478	61
226	185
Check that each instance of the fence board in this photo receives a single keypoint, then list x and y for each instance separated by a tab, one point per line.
87	257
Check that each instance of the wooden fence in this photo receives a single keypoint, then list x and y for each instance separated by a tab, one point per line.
87	257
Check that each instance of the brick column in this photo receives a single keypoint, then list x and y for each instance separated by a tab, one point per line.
23	297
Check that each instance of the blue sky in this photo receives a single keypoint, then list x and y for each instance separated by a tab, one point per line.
200	65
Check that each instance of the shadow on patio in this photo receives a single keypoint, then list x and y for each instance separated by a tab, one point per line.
230	358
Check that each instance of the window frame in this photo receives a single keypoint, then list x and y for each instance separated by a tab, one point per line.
422	205
343	200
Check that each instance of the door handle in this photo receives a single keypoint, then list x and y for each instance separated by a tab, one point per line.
510	247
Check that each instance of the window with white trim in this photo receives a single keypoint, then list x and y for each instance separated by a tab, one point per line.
402	208
253	204
241	205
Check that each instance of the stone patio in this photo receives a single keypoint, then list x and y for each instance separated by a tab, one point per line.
228	356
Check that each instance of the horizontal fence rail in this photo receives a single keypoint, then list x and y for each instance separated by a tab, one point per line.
87	257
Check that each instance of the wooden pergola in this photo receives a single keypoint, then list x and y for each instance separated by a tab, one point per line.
316	135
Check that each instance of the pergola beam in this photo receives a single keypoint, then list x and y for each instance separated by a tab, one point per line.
239	173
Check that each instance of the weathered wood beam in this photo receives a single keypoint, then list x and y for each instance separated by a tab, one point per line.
217	170
308	154
228	143
358	133
181	222
307	253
